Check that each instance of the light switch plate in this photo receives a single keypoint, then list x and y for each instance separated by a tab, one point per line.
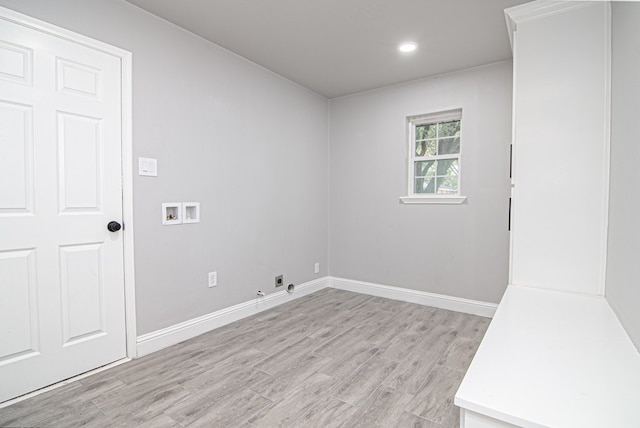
148	167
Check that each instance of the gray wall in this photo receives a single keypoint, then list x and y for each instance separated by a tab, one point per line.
623	267
457	250
250	146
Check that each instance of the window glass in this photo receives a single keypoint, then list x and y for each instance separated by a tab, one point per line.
434	162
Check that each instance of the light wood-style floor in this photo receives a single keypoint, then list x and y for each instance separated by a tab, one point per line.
330	359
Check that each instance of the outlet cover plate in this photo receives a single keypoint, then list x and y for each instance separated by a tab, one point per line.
213	279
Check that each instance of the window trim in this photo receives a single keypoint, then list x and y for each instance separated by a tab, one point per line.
429	198
432	199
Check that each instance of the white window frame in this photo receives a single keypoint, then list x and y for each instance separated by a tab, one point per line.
422	198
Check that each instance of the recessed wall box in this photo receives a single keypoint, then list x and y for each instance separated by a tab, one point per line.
171	213
191	212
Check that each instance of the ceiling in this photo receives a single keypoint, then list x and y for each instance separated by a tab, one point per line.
339	47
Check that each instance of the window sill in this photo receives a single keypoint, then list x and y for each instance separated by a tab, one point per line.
440	199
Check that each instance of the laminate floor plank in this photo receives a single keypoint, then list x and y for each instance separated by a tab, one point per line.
416	317
69	413
382	409
217	388
412	372
287	357
168	374
135	408
215	355
339	344
30	411
231	411
347	362
276	387
245	358
383	336
328	412
330	359
273	340
459	354
222	397
366	379
160	421
435	400
94	390
81	414
284	412
409	420
401	345
445	318
473	327
327	332
437	339
375	320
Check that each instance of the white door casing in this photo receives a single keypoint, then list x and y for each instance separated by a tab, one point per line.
64	122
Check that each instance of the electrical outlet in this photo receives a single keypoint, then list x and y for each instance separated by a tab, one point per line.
317	268
279	281
213	279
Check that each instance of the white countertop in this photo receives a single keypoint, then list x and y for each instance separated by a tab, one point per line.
554	359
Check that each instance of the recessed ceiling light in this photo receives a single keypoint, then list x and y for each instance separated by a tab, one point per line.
407	47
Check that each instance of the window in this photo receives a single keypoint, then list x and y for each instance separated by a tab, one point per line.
434	158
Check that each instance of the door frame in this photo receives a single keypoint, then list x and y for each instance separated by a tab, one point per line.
127	153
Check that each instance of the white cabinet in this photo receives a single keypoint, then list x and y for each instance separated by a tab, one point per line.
555	354
561	108
552	359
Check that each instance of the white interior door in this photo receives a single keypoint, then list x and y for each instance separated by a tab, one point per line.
62	309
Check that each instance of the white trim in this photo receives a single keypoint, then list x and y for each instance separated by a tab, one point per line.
423	119
440	116
511	28
441	301
127	202
163	338
471	419
127	150
536	9
607	153
514	153
442	199
53	30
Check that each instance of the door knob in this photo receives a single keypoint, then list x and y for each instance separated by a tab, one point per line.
114	226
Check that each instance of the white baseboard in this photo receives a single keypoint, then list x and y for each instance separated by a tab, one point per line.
160	339
441	301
